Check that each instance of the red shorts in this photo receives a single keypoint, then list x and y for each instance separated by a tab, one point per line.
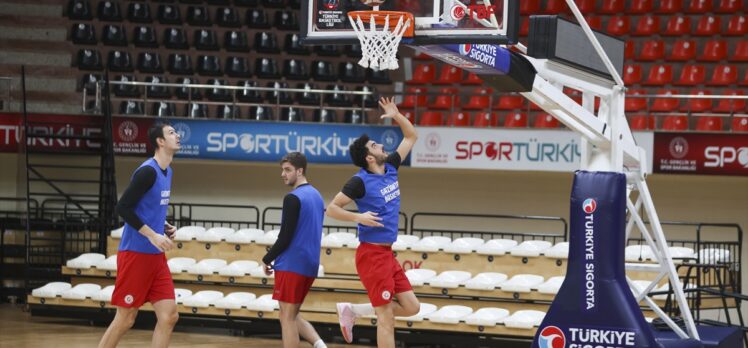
380	272
141	278
291	287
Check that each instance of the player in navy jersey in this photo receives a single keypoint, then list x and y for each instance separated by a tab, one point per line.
376	191
142	272
296	252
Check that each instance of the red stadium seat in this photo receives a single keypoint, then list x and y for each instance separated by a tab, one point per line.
423	74
472	79
515	120
740	124
480	99
683	50
459	119
744	82
633	104
709	123
652	50
641	122
640	7
446	99
700	6
414	98
545	121
737	26
677	26
670	6
675	123
731	105
632	74
730	6
714	51
448	75
698	104
665	104
740	54
586	6
529	7
647	26
707	26
410	115
431	118
659	74
422	56
486	119
619	25
628	49
555	7
612	7
691	75
724	75
509	102
595	22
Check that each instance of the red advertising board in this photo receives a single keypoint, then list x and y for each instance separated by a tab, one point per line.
130	135
71	132
699	153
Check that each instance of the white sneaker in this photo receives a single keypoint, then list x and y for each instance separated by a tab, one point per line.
347	319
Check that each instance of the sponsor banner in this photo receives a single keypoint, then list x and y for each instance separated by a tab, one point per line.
70	132
481	59
699	153
254	141
502	149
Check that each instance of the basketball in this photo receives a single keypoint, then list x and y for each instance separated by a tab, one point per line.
372	3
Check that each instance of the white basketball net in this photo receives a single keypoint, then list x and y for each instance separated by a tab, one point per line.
379	47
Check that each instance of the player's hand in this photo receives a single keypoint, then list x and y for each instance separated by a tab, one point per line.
268	269
369	219
161	242
389	107
169	230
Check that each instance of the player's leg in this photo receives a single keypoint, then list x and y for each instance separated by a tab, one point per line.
407	304
385	326
123	321
166	318
307	331
290	332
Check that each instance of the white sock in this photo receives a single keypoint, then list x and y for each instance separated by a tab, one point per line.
319	344
362	309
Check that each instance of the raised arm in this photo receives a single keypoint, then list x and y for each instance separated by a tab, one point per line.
336	210
409	132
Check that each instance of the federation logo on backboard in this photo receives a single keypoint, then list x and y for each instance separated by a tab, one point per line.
331	4
551	337
457	12
589	206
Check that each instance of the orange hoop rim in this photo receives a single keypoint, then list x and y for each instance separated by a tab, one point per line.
380	17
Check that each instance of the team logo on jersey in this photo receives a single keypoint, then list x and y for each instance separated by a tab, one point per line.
129	299
589	206
386	295
465	49
551	337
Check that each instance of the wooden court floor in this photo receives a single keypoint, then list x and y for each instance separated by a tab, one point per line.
18	329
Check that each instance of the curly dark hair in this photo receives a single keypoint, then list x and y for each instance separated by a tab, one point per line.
296	159
359	151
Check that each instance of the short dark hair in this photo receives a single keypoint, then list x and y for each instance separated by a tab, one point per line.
296	159
359	151
157	131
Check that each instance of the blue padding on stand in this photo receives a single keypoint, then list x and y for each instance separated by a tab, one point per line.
711	337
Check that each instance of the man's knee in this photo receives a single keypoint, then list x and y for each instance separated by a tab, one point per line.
411	308
125	319
169	318
385	317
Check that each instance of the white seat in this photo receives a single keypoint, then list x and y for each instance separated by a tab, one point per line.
235	300
486	281
268	238
635	252
187	233
431	244
353	244
450	314
638	286
681	253
245	236
215	234
51	290
320	271
450	279
404	242
264	303
81	291
259	272
530	248
489	317
496	247
417	277
551	286
181	294
712	255
666	287
117	233
206	266
464	245
524	319
105	295
108	264
337	239
426	309
238	268
522	283
558	251
87	260
203	298
180	264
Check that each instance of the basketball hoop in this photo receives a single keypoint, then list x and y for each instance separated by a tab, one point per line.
379	47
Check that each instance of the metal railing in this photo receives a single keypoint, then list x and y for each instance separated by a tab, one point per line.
6	93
